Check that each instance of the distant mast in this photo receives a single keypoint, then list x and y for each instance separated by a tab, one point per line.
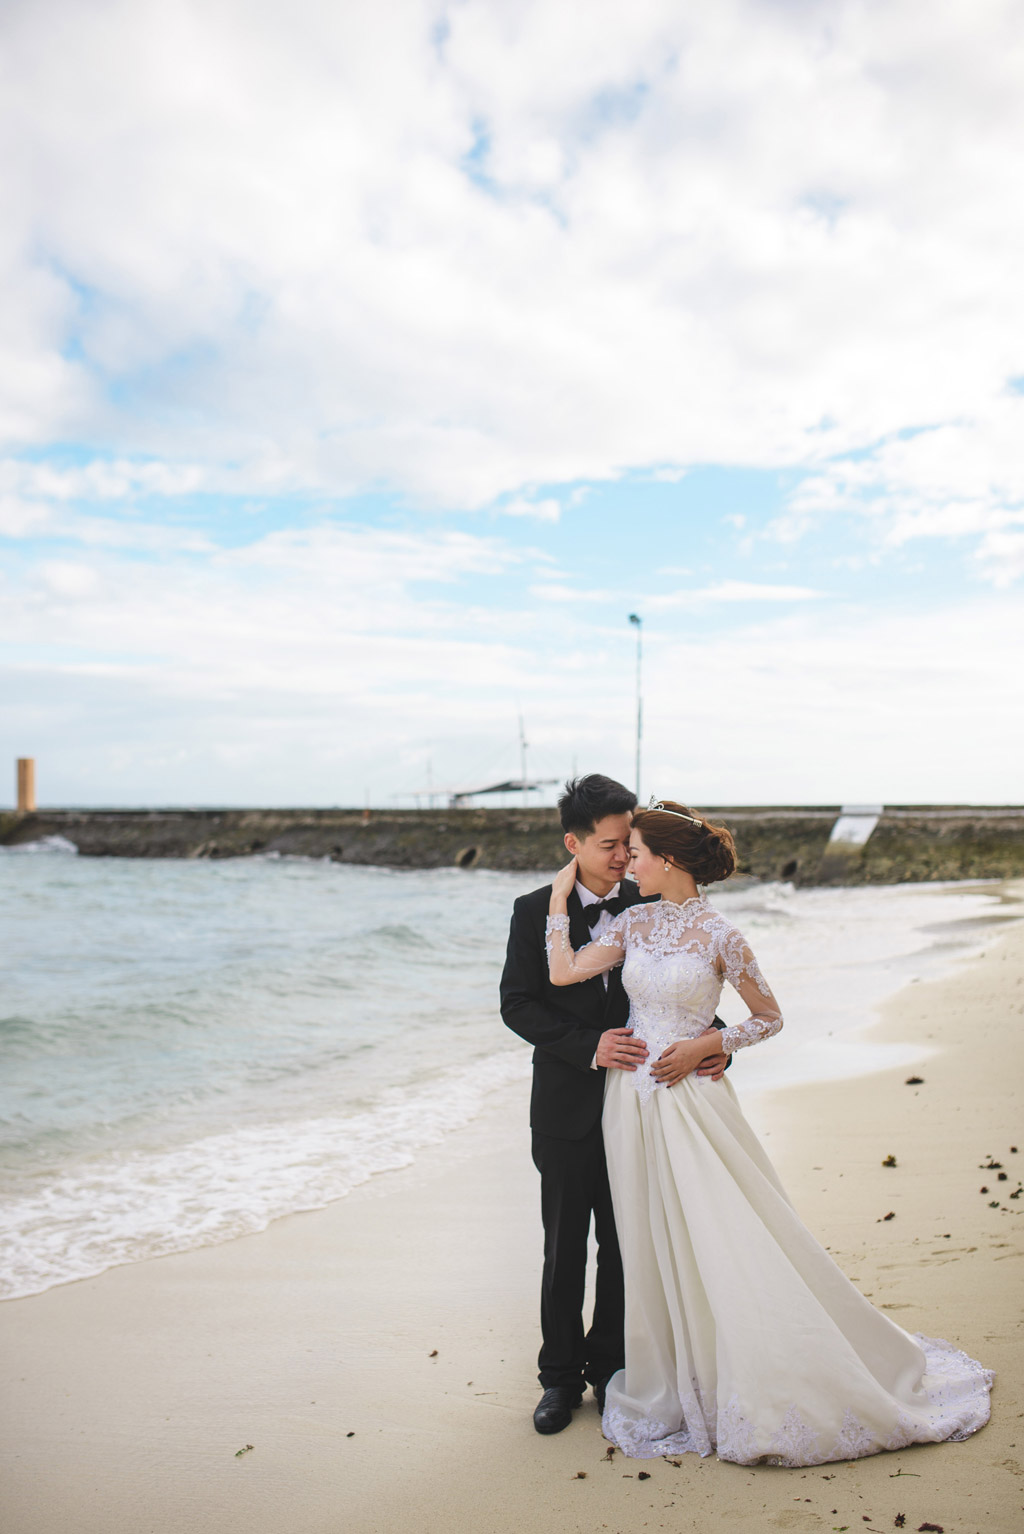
522	762
638	624
26	785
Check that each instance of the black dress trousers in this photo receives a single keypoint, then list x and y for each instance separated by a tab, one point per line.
574	1186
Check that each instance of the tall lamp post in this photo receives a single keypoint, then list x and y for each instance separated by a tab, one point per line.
638	623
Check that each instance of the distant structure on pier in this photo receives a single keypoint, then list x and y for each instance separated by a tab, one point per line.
26	785
461	798
458	801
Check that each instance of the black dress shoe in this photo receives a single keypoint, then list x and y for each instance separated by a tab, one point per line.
555	1408
602	1386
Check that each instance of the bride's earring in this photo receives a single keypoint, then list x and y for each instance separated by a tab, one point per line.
667	867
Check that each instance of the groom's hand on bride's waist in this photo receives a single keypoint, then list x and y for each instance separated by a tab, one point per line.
713	1066
618	1050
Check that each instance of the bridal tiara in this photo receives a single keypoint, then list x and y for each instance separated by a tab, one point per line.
656	804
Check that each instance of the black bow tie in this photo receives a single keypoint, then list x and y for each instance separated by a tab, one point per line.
592	912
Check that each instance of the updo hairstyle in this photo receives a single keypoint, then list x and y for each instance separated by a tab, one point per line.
706	852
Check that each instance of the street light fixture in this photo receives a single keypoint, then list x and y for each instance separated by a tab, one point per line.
638	623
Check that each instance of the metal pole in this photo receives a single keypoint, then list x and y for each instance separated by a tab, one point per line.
635	619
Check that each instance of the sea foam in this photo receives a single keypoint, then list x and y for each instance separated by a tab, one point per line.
189	1050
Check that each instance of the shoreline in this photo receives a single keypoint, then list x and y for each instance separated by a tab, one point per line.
339	1154
404	1315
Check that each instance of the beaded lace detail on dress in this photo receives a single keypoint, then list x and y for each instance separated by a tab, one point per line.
675	960
711	1246
953	1404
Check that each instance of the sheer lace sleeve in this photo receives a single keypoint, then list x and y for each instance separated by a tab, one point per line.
567	966
741	969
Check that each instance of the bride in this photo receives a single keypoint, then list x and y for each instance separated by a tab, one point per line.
742	1335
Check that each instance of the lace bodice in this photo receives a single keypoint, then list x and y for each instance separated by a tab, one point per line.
675	960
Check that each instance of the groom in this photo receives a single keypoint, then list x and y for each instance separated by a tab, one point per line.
578	1032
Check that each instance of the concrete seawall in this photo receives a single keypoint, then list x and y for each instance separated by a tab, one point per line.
910	843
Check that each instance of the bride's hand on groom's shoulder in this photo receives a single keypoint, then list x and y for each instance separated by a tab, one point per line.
564	881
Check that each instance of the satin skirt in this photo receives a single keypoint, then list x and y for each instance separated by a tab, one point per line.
743	1337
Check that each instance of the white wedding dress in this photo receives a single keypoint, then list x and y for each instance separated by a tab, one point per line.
743	1337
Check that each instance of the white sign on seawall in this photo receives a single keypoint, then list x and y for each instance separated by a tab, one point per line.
855	824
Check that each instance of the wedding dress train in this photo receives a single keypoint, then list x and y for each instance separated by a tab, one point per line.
743	1337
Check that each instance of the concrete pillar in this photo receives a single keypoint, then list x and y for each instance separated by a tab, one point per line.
26	785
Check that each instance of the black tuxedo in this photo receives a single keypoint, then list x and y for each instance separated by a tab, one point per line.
564	1024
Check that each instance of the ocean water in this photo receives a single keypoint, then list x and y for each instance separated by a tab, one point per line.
189	1050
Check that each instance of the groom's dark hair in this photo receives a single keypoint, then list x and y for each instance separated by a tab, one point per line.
588	800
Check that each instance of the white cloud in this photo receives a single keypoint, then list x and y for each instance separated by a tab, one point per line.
1002	555
308	666
826	706
485	255
546	510
559	591
734	591
326	249
964	479
291	609
34	519
67	578
22	519
101	479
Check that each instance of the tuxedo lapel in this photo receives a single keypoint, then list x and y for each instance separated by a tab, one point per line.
579	931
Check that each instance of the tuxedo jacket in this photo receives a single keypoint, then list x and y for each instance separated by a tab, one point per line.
562	1022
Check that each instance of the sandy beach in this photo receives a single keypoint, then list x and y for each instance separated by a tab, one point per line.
371	1367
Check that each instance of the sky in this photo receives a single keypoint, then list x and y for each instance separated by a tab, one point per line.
364	366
